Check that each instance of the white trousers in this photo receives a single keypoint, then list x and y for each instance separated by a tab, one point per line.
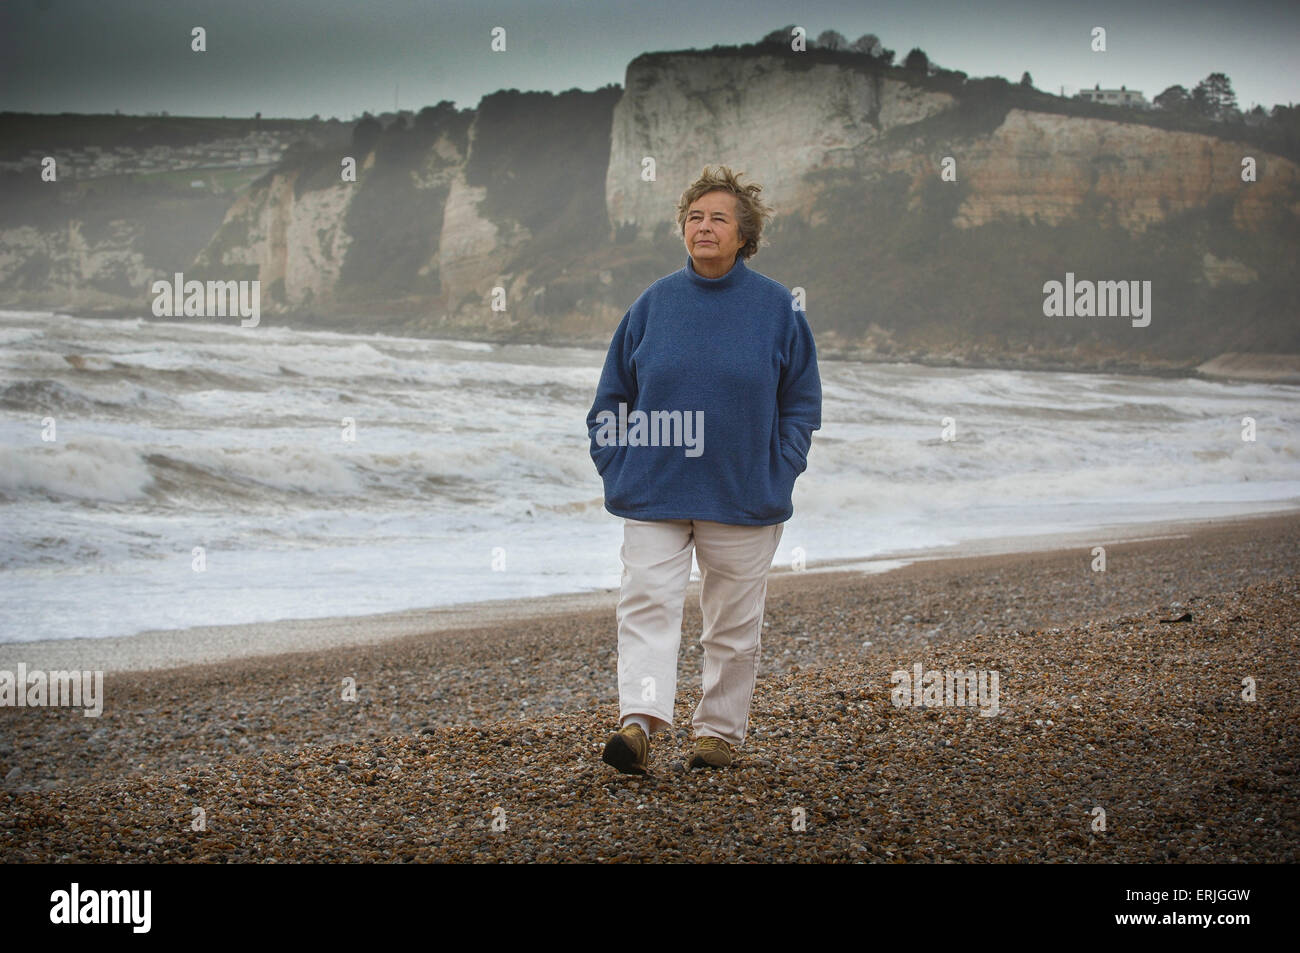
734	561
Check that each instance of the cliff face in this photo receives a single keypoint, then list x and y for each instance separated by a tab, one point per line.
295	243
39	265
133	199
467	252
544	197
685	112
1043	167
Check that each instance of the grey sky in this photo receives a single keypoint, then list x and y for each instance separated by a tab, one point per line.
293	58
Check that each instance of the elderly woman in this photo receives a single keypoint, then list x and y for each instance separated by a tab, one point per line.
718	344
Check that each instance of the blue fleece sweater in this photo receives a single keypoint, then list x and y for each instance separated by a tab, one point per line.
707	402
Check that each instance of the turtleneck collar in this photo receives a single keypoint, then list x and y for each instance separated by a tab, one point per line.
730	279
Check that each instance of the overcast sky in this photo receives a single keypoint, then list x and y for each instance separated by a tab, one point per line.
295	58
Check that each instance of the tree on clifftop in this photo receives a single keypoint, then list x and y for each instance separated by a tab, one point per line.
1026	80
831	40
366	133
867	43
1175	99
1214	97
870	44
428	119
779	37
917	61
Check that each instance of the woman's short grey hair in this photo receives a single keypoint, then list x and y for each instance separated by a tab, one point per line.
751	210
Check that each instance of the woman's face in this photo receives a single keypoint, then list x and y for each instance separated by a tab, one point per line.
712	233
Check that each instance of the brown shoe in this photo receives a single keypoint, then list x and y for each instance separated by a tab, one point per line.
711	752
628	750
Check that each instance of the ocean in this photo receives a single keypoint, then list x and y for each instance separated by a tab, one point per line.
200	473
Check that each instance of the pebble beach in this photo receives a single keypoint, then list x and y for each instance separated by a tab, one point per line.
1147	713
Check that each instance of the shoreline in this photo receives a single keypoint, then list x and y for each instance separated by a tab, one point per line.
164	649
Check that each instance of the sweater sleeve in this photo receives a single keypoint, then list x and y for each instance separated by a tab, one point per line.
799	395
617	385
